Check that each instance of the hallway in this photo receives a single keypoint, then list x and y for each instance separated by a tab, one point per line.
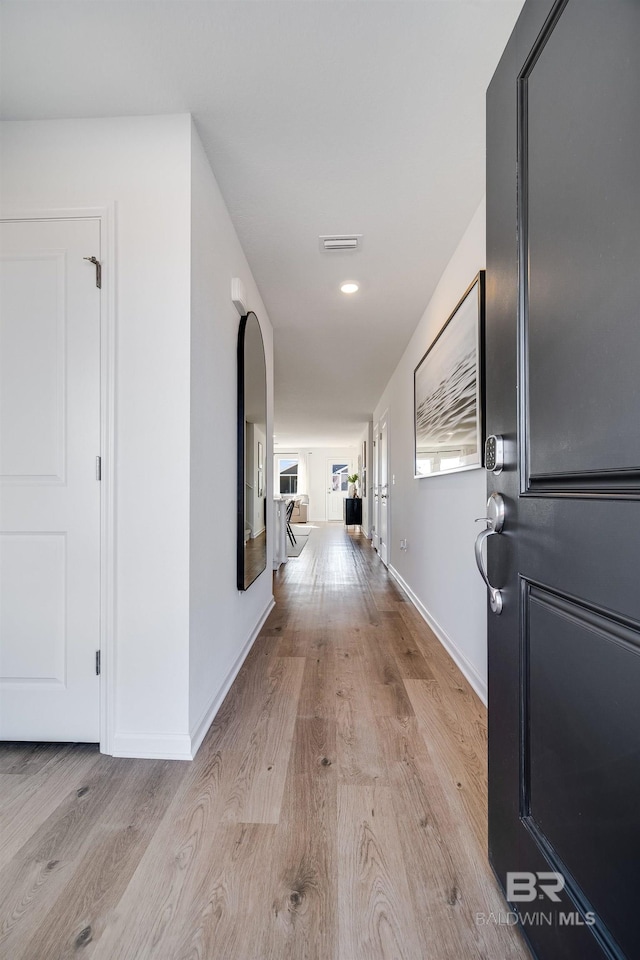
336	809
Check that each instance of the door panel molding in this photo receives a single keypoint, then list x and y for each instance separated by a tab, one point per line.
572	778
34	564
604	470
573	897
39	385
608	625
522	157
595	484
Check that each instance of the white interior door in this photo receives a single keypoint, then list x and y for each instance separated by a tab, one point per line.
49	491
383	498
337	488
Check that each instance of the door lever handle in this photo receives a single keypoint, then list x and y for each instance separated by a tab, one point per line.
495	524
495	597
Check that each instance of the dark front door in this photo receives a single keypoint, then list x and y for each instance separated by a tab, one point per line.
563	389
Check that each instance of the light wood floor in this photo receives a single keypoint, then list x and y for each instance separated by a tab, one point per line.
335	811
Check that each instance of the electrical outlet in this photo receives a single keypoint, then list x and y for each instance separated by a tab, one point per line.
403	544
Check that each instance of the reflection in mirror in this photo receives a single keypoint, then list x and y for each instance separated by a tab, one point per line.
252	445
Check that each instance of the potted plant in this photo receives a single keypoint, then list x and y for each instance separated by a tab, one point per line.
353	490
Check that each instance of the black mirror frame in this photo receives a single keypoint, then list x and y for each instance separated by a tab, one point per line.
241	465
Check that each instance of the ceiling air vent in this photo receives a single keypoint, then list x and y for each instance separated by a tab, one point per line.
350	242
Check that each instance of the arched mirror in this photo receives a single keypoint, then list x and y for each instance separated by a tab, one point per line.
252	451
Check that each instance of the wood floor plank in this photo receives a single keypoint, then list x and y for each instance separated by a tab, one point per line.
229	905
30	890
316	640
21	816
412	662
456	748
447	888
156	897
63	833
303	924
384	679
304	896
28	758
256	794
376	919
12	785
88	887
358	751
314	747
319	685
37	873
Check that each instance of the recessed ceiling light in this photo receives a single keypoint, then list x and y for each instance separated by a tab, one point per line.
349	287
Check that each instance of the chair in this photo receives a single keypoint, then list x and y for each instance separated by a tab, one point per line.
290	533
300	510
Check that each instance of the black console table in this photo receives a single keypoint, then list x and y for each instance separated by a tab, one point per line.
353	511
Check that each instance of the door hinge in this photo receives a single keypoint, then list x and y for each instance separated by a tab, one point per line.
97	663
98	267
98	468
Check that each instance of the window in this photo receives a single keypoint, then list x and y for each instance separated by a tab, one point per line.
288	473
339	474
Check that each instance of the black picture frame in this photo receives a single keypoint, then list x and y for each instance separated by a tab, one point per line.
448	391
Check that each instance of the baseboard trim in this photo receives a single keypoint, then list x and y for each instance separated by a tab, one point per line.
152	746
200	730
465	665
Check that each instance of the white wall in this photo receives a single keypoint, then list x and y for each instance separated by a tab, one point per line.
223	620
436	514
175	395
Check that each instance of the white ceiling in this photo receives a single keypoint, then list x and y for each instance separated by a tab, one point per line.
319	117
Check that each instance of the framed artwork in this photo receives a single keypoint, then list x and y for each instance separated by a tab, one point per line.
260	470
448	391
